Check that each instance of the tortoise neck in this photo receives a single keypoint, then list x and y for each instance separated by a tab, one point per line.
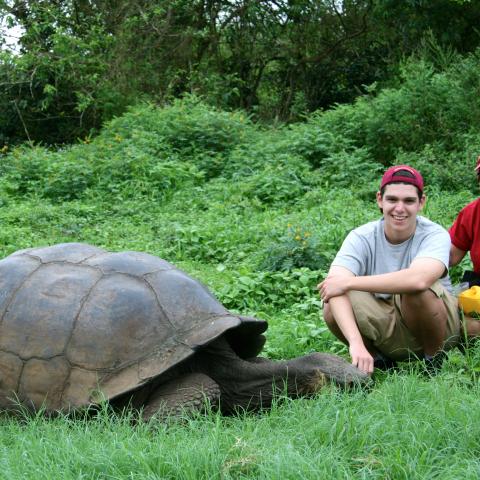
247	384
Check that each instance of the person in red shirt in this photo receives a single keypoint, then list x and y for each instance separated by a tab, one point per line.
465	236
465	233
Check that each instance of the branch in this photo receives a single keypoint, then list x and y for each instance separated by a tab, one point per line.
237	12
21	119
329	52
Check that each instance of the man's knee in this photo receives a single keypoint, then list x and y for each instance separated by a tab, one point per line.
424	304
420	298
424	308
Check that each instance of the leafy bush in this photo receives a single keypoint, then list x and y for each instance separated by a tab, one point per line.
249	158
188	128
148	151
314	144
427	108
297	248
290	161
55	175
267	290
284	179
197	242
440	169
74	172
136	173
431	119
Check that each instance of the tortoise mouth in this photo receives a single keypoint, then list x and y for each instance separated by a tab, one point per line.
247	346
244	334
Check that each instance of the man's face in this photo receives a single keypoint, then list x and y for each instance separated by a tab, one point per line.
400	205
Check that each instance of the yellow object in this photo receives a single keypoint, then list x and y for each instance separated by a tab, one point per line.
469	300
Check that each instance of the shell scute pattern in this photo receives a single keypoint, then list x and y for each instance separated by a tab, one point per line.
77	320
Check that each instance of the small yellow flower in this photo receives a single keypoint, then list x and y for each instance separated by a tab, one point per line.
298	237
118	138
307	234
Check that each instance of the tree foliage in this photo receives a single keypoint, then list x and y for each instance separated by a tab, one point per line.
80	62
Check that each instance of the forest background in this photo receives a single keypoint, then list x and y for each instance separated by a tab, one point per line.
242	140
81	62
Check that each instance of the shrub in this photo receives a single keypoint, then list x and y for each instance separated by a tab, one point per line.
260	290
443	170
59	175
134	172
110	164
428	107
284	179
311	142
189	128
285	163
296	249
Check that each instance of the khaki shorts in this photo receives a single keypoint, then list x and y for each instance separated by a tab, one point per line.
381	322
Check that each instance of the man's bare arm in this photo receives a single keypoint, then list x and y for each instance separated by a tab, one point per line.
341	310
456	255
421	275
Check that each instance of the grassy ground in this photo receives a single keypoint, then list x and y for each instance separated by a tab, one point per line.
406	426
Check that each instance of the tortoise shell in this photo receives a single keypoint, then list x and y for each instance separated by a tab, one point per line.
79	324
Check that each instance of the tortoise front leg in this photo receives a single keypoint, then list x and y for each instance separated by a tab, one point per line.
186	393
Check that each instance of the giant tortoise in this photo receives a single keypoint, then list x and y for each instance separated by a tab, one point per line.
79	324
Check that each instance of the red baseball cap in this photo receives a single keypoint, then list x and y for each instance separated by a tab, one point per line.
396	174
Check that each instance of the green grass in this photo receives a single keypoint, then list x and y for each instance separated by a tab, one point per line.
406	427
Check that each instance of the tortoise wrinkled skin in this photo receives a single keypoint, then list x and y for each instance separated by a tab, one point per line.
79	324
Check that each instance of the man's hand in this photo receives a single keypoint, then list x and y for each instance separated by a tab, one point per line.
333	286
361	358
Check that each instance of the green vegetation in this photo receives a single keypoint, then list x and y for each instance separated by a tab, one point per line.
80	63
257	213
407	428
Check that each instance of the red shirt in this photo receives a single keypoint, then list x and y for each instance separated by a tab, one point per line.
465	232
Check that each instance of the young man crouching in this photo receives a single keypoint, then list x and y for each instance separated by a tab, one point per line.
387	292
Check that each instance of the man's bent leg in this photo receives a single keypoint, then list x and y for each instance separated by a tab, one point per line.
379	320
432	318
332	324
335	329
374	319
425	316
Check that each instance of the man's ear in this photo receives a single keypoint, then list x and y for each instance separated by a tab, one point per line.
423	200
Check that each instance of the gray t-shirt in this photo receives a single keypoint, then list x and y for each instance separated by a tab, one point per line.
366	251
